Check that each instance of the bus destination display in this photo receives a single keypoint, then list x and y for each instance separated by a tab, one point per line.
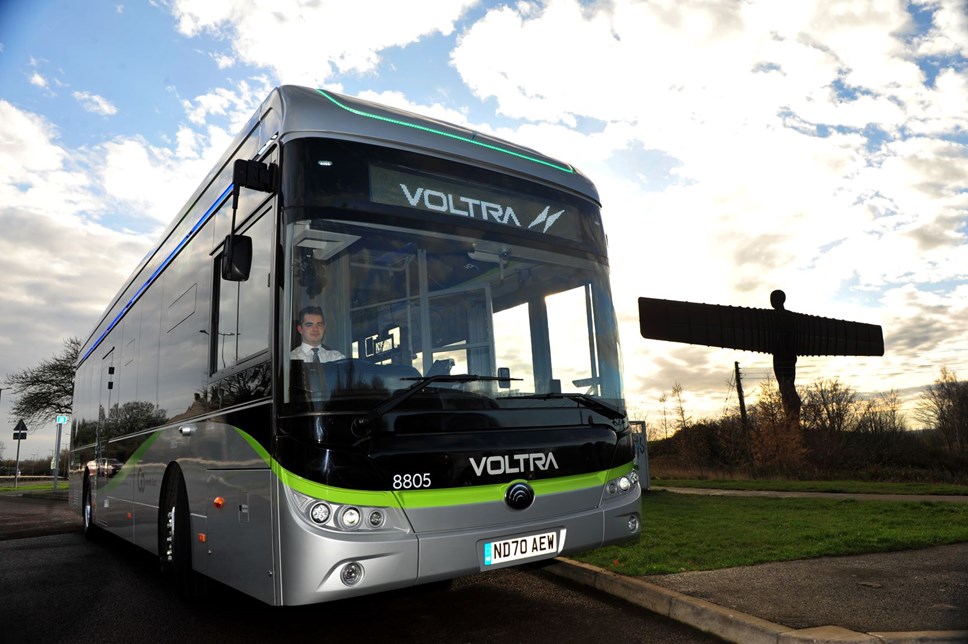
395	187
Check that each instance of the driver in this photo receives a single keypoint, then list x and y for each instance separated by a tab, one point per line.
312	327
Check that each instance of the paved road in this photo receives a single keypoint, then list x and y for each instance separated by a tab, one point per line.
62	588
914	590
33	514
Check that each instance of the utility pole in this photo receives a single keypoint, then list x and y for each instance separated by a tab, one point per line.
743	417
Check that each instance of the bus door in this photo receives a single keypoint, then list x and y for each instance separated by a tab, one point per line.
99	474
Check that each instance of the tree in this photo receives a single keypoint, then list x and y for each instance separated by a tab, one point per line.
830	406
47	389
882	415
777	442
944	407
683	419
663	399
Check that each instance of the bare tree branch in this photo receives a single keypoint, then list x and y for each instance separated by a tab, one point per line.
45	390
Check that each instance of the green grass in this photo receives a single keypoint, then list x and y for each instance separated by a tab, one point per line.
33	487
683	532
860	487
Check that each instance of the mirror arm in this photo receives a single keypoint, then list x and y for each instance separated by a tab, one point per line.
235	207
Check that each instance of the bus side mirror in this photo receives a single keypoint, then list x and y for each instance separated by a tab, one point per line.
237	252
236	258
503	378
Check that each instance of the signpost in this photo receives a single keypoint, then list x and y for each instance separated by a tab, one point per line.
19	434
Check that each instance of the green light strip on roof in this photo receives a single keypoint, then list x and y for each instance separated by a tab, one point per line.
429	130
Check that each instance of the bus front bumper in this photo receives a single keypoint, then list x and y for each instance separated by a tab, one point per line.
319	567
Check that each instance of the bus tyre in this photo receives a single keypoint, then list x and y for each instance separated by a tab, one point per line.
175	540
87	512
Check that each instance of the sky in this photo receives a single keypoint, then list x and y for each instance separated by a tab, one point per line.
817	146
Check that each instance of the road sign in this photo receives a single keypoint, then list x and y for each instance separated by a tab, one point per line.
20	431
62	420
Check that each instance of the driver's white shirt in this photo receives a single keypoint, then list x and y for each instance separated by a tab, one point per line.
304	352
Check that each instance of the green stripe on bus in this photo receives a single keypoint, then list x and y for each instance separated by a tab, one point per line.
428	498
449	135
403	499
412	499
131	463
443	497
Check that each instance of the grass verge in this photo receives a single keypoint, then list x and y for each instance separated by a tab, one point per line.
684	532
32	487
857	487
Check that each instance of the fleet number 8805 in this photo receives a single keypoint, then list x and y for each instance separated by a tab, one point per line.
411	481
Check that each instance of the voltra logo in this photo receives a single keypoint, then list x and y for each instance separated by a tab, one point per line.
473	207
514	463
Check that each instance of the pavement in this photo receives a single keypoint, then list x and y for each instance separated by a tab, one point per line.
916	596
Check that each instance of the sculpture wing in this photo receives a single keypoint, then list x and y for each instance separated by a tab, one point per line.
748	329
713	325
817	336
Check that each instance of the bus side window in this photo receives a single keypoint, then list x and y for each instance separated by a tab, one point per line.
242	317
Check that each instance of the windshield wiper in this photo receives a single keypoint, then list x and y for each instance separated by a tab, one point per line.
361	427
609	411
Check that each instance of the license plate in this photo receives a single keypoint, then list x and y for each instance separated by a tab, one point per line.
534	545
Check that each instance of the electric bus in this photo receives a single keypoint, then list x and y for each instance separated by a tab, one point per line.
463	411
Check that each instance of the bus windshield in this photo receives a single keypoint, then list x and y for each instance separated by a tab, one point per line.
375	310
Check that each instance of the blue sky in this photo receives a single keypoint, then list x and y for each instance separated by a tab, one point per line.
818	146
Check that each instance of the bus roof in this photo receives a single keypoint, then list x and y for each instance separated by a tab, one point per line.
306	111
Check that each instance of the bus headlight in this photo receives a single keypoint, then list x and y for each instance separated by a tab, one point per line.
326	515
350	517
622	485
320	513
375	519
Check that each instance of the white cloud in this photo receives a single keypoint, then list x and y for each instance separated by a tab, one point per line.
333	36
238	103
401	102
949	33
132	168
95	104
805	149
38	81
61	262
60	266
36	175
223	61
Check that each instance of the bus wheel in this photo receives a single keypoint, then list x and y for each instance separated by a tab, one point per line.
175	540
87	512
